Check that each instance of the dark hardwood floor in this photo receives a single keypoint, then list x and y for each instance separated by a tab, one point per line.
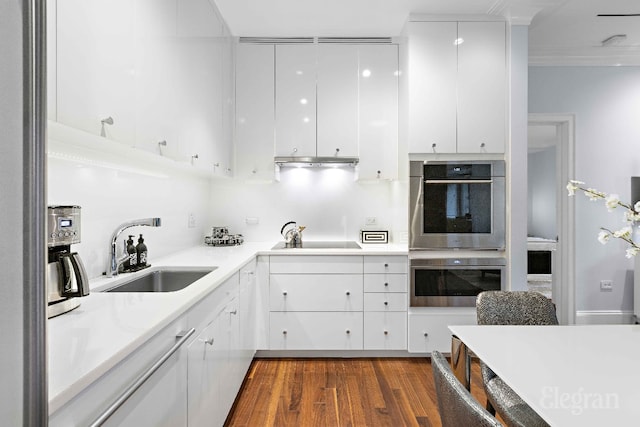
341	392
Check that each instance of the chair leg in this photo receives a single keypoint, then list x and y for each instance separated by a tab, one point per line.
490	408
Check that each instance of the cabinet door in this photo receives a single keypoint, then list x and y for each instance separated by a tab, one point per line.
207	356
481	87
337	86
315	331
385	331
378	111
296	100
255	111
430	331
248	309
432	87
96	66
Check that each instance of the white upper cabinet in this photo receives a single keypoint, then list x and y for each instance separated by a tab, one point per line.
432	87
457	87
337	118
482	96
295	101
339	100
255	111
378	111
161	69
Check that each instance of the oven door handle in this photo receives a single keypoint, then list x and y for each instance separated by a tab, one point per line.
458	181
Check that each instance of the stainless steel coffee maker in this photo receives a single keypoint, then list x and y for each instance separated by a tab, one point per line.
66	276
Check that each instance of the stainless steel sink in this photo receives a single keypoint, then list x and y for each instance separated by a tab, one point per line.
165	280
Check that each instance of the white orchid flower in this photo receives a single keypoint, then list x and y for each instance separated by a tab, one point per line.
594	194
612	202
632	251
623	233
636	207
603	237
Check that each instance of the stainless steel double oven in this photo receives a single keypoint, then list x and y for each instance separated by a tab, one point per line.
456	206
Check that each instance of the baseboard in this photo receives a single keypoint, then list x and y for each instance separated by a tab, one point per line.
604	317
335	353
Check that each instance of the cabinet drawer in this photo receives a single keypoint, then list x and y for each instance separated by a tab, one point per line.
385	282
385	331
428	332
315	292
315	331
309	264
385	302
386	264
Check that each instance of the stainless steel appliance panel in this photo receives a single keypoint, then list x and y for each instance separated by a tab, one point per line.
457	205
454	282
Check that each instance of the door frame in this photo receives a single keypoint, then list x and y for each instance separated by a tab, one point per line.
564	274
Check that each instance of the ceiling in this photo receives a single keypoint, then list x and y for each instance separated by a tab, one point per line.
561	32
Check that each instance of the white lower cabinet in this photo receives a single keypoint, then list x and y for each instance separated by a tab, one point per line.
345	302
160	401
429	330
315	330
213	376
385	330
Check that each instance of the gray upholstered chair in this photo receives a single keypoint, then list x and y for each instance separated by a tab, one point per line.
456	405
512	308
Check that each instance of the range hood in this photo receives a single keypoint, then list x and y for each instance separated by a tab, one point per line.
316	162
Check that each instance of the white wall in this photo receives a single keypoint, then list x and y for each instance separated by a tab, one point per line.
542	193
327	201
11	213
109	197
606	102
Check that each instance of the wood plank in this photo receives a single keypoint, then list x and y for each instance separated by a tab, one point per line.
341	392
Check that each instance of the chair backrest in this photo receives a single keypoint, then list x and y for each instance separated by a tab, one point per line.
456	405
515	308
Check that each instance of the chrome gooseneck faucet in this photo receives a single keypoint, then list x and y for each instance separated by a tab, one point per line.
114	262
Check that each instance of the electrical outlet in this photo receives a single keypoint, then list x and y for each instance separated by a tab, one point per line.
192	220
606	285
371	220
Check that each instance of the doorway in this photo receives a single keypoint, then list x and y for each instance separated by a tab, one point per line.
551	212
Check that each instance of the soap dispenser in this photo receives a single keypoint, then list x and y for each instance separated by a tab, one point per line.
132	260
141	250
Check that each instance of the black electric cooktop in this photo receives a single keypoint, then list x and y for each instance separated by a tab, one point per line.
320	245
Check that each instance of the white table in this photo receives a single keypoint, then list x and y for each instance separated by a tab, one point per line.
570	375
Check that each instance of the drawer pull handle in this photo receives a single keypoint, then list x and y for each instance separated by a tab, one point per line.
209	341
182	337
386	284
386	265
284	332
284	293
426	334
234	311
348	331
386	303
348	293
386	332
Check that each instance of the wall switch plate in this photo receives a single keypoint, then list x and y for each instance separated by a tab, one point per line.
606	285
192	220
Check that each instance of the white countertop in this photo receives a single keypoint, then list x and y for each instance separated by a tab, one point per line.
85	343
570	375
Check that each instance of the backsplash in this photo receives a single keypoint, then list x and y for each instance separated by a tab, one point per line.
329	202
110	196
